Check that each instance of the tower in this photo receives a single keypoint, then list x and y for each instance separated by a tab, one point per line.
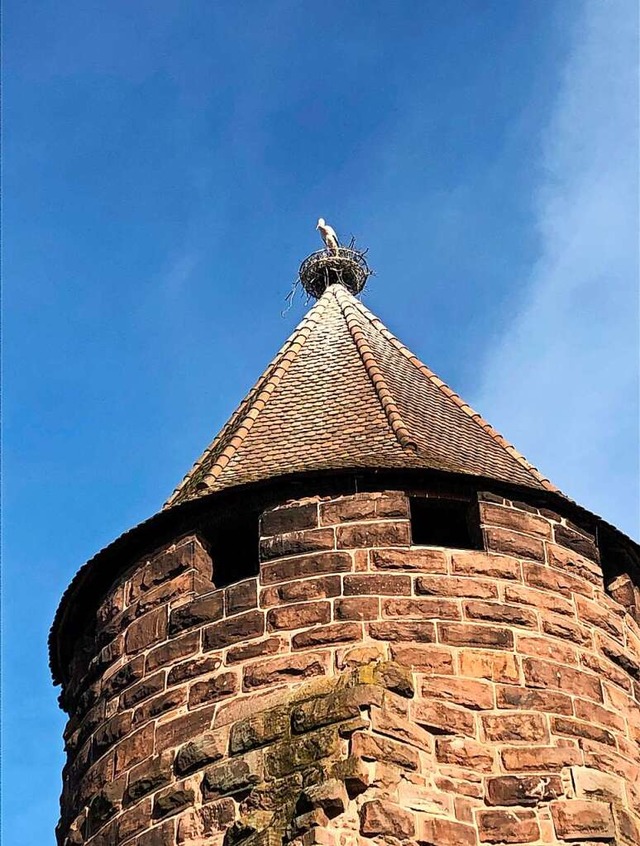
361	618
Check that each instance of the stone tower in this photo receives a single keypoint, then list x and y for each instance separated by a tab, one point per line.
363	618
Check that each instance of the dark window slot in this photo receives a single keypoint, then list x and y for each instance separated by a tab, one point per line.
234	547
445	522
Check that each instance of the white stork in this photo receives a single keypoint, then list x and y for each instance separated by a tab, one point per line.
328	236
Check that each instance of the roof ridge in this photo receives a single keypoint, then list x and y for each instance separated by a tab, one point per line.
454	397
255	401
374	372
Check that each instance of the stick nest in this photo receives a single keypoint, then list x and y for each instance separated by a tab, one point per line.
347	267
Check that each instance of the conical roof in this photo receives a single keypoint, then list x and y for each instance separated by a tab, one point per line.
344	393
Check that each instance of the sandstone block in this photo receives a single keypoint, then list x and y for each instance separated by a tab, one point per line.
296	543
210	746
423	560
347	510
545	674
123	677
495	566
471	634
540	758
522	790
270	646
374	584
382	818
168	701
133	821
464	753
228	778
302	590
305	565
329	795
213	689
508	826
203	609
372	747
578	728
298	616
134	749
576	819
284	758
159	835
111	732
477	695
431	660
424	609
408	631
356	608
516	727
289	518
494	666
145	688
533	700
147	777
187	670
590	783
458	586
441	718
177	731
259	730
241	596
147	630
518	521
172	800
515	544
285	669
438	831
172	650
234	630
364	535
327	635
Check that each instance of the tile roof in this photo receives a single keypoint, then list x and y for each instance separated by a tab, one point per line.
343	393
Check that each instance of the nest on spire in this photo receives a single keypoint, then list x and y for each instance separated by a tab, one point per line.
348	266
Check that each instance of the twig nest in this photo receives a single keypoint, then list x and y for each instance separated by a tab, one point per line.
347	267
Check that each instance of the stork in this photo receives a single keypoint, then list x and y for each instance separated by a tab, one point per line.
329	236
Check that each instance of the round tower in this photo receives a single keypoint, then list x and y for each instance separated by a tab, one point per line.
363	617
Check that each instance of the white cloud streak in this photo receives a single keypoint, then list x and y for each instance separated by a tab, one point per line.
562	381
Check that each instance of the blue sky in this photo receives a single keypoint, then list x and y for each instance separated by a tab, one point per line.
164	166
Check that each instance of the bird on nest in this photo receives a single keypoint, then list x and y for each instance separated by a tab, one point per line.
329	236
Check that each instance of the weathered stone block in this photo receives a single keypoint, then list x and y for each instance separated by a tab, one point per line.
210	746
230	777
298	616
522	790
508	826
259	730
327	635
234	630
203	609
576	819
382	818
213	689
147	777
305	565
438	831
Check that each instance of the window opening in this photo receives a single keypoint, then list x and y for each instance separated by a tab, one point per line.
234	547
445	522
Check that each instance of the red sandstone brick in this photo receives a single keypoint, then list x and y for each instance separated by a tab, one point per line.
545	674
191	669
577	541
576	819
257	649
289	518
424	659
522	790
298	616
134	749
476	563
510	696
472	694
357	608
540	758
543	600
146	631
373	747
594	713
508	826
327	635
241	596
565	629
442	718
593	614
203	609
296	543
516	727
494	666
395	630
303	590
424	609
159	835
173	650
133	821
213	689
547	578
468	634
347	509
498	612
438	831
177	731
576	728
234	630
380	818
111	732
425	560
179	586
286	669
142	690
512	543
305	565
607	670
374	584
518	521
456	586
464	753
381	533
184	555
545	647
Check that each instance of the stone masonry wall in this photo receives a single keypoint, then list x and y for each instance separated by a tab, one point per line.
360	691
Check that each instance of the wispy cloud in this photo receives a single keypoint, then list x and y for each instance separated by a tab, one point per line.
562	381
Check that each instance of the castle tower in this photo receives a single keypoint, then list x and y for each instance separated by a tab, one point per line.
362	618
